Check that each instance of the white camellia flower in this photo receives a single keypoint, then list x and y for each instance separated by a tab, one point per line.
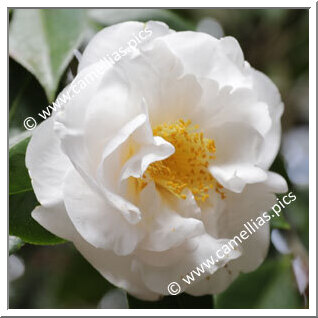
160	161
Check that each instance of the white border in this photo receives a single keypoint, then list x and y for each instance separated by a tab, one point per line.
312	162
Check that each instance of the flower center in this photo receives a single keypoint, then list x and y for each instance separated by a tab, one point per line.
188	166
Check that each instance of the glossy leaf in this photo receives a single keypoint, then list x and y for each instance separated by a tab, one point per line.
22	201
43	41
22	224
19	179
26	98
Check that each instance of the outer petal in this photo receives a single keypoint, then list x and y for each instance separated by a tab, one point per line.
118	270
119	37
55	220
268	93
221	60
47	164
157	278
240	209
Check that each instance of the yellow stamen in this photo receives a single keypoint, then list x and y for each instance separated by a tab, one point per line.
187	168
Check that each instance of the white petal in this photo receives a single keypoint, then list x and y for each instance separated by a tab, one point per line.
47	164
268	93
158	278
55	220
214	284
118	270
85	138
90	117
237	151
156	76
271	144
116	141
240	209
96	220
275	183
166	228
221	60
138	164
232	106
164	258
188	208
148	149
120	37
212	210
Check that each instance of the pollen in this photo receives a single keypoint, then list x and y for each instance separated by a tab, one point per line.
187	168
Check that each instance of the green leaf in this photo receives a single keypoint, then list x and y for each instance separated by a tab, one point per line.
43	41
270	286
112	16
19	179
22	224
70	289
298	215
15	243
173	302
279	222
26	97
57	277
22	201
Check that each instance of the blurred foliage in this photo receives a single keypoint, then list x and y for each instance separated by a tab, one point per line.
15	243
57	277
265	288
274	41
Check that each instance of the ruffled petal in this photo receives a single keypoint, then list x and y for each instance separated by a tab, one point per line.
96	220
115	42
237	150
221	60
165	228
268	93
